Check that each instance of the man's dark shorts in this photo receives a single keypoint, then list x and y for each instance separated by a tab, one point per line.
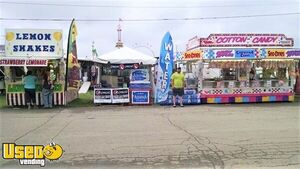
178	91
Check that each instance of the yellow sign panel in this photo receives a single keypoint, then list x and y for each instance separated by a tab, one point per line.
276	53
193	55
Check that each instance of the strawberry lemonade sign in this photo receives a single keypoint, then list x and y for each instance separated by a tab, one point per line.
36	43
246	40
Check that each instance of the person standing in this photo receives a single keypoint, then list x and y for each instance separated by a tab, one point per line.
29	86
252	73
47	91
94	74
178	86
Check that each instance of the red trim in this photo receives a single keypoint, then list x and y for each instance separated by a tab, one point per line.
241	95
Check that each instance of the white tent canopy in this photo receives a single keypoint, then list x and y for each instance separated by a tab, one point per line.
125	55
95	60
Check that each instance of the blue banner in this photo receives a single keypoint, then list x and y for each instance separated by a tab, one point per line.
140	97
245	53
139	75
165	67
230	53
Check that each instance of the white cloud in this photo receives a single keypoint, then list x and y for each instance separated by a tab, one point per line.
105	35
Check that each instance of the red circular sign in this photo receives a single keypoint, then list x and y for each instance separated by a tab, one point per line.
135	66
122	67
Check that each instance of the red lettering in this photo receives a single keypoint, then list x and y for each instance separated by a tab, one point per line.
255	40
272	39
227	40
275	54
279	53
264	39
192	55
241	39
219	40
12	62
36	62
231	40
223	39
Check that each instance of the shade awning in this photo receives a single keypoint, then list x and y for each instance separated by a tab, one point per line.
125	55
95	60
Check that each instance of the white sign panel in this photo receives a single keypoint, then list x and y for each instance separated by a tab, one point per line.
247	40
24	62
34	43
120	95
193	43
269	83
231	84
102	95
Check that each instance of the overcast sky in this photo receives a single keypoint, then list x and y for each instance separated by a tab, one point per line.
137	34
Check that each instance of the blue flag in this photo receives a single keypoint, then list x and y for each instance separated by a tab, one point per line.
164	70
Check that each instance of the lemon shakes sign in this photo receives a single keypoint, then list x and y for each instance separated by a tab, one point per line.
36	43
31	154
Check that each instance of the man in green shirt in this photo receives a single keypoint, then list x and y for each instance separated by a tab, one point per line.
177	86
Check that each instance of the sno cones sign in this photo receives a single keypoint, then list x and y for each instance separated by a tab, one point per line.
73	68
165	67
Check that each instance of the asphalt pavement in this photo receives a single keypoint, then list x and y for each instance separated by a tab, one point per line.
225	136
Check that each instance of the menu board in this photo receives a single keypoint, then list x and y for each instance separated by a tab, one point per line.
120	95
102	95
